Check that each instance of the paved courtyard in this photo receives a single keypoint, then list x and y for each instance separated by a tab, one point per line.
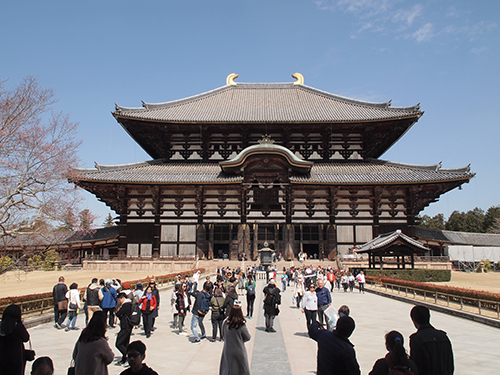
476	346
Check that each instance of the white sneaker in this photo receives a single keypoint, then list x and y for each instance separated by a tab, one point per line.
183	334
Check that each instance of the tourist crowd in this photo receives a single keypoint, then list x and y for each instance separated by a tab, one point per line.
107	302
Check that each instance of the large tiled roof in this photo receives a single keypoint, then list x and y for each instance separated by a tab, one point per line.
458	238
267	102
341	172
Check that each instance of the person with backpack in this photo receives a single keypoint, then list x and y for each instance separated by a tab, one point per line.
216	304
250	286
271	301
201	307
108	303
396	361
124	313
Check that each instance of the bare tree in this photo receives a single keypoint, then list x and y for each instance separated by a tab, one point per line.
37	152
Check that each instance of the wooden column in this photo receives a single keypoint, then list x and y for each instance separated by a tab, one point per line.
201	251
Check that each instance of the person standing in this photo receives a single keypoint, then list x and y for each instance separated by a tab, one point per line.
182	307
93	297
324	300
361	282
216	303
147	304
73	296
284	279
156	293
201	307
234	359
299	290
271	301
124	313
229	301
92	353
430	348
13	334
396	358
60	302
310	305
330	276
335	351
108	303
250	286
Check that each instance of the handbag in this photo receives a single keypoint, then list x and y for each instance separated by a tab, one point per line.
62	305
73	306
71	368
29	354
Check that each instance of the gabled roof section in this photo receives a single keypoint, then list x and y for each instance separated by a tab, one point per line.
267	103
458	238
385	240
267	146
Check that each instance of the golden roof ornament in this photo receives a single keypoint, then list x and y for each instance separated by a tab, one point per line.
299	79
230	79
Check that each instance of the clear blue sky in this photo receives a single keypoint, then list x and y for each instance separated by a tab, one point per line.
442	54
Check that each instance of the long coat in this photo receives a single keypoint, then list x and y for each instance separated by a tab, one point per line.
234	359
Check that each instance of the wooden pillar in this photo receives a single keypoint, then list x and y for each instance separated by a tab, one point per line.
244	245
201	251
331	240
289	238
157	227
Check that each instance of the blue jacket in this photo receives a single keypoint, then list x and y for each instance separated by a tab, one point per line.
324	296
109	297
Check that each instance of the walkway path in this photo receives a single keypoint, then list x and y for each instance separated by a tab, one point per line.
289	350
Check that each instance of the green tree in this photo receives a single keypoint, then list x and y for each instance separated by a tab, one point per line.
5	262
51	259
435	222
490	218
109	222
471	221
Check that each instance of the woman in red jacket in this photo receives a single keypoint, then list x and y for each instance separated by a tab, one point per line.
147	304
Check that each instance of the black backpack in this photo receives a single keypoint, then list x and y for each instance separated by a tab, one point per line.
400	370
135	316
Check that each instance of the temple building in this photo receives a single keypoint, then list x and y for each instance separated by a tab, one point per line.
248	163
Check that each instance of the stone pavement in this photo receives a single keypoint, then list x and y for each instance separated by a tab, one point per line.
476	346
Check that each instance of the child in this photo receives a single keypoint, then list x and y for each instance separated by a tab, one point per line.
136	352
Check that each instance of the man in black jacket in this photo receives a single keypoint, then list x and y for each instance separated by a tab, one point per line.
123	338
336	354
271	301
430	348
59	295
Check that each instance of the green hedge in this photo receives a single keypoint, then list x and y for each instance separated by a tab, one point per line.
420	275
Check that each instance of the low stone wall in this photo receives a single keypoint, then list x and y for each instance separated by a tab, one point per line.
154	266
351	264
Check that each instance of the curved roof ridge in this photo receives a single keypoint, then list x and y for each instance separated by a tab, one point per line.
110	167
171	103
384	105
429	167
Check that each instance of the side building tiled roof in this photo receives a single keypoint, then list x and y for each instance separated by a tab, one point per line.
386	239
458	238
267	103
341	172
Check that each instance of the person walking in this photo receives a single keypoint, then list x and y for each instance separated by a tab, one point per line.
310	305
361	281
74	304
147	304
229	301
182	308
124	313
216	303
60	302
250	286
156	293
299	290
92	353
234	359
324	301
93	297
13	335
271	301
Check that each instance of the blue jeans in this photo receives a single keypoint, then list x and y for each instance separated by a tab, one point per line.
71	319
284	285
195	321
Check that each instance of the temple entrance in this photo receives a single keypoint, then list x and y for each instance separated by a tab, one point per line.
221	250
311	249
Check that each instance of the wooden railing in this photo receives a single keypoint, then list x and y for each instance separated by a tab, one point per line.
479	306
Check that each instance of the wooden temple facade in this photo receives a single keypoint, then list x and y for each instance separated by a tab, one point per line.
247	163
